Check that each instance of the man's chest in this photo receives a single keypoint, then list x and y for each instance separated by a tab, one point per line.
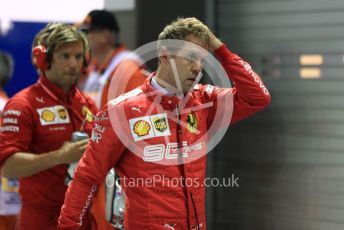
164	136
55	120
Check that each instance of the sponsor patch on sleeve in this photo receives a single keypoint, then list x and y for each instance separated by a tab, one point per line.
11	112
97	133
10	120
9	128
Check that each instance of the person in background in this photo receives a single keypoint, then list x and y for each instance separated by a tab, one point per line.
6	69
161	136
9	197
107	55
35	140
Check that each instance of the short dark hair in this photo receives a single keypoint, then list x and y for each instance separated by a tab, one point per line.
99	19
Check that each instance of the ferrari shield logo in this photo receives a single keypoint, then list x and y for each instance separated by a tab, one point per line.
87	113
192	123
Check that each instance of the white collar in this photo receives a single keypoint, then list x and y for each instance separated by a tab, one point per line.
158	87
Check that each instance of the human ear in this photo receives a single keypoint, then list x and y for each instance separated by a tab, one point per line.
163	54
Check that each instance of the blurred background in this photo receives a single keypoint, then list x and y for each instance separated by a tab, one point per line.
289	158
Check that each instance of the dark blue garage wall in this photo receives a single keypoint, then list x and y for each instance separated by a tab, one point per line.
18	42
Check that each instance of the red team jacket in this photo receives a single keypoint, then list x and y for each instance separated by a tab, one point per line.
40	119
149	127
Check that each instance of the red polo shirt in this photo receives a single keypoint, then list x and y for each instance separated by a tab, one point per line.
37	120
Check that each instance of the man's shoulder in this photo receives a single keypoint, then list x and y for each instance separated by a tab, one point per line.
125	54
19	104
135	93
200	88
25	95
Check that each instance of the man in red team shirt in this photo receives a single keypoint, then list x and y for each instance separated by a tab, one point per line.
38	125
162	134
108	54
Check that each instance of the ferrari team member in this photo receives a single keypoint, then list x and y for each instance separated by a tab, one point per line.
35	139
9	197
108	54
168	139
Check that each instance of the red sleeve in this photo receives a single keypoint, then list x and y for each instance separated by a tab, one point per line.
16	129
249	94
102	153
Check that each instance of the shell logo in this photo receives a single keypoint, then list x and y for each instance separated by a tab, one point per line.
48	116
141	128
